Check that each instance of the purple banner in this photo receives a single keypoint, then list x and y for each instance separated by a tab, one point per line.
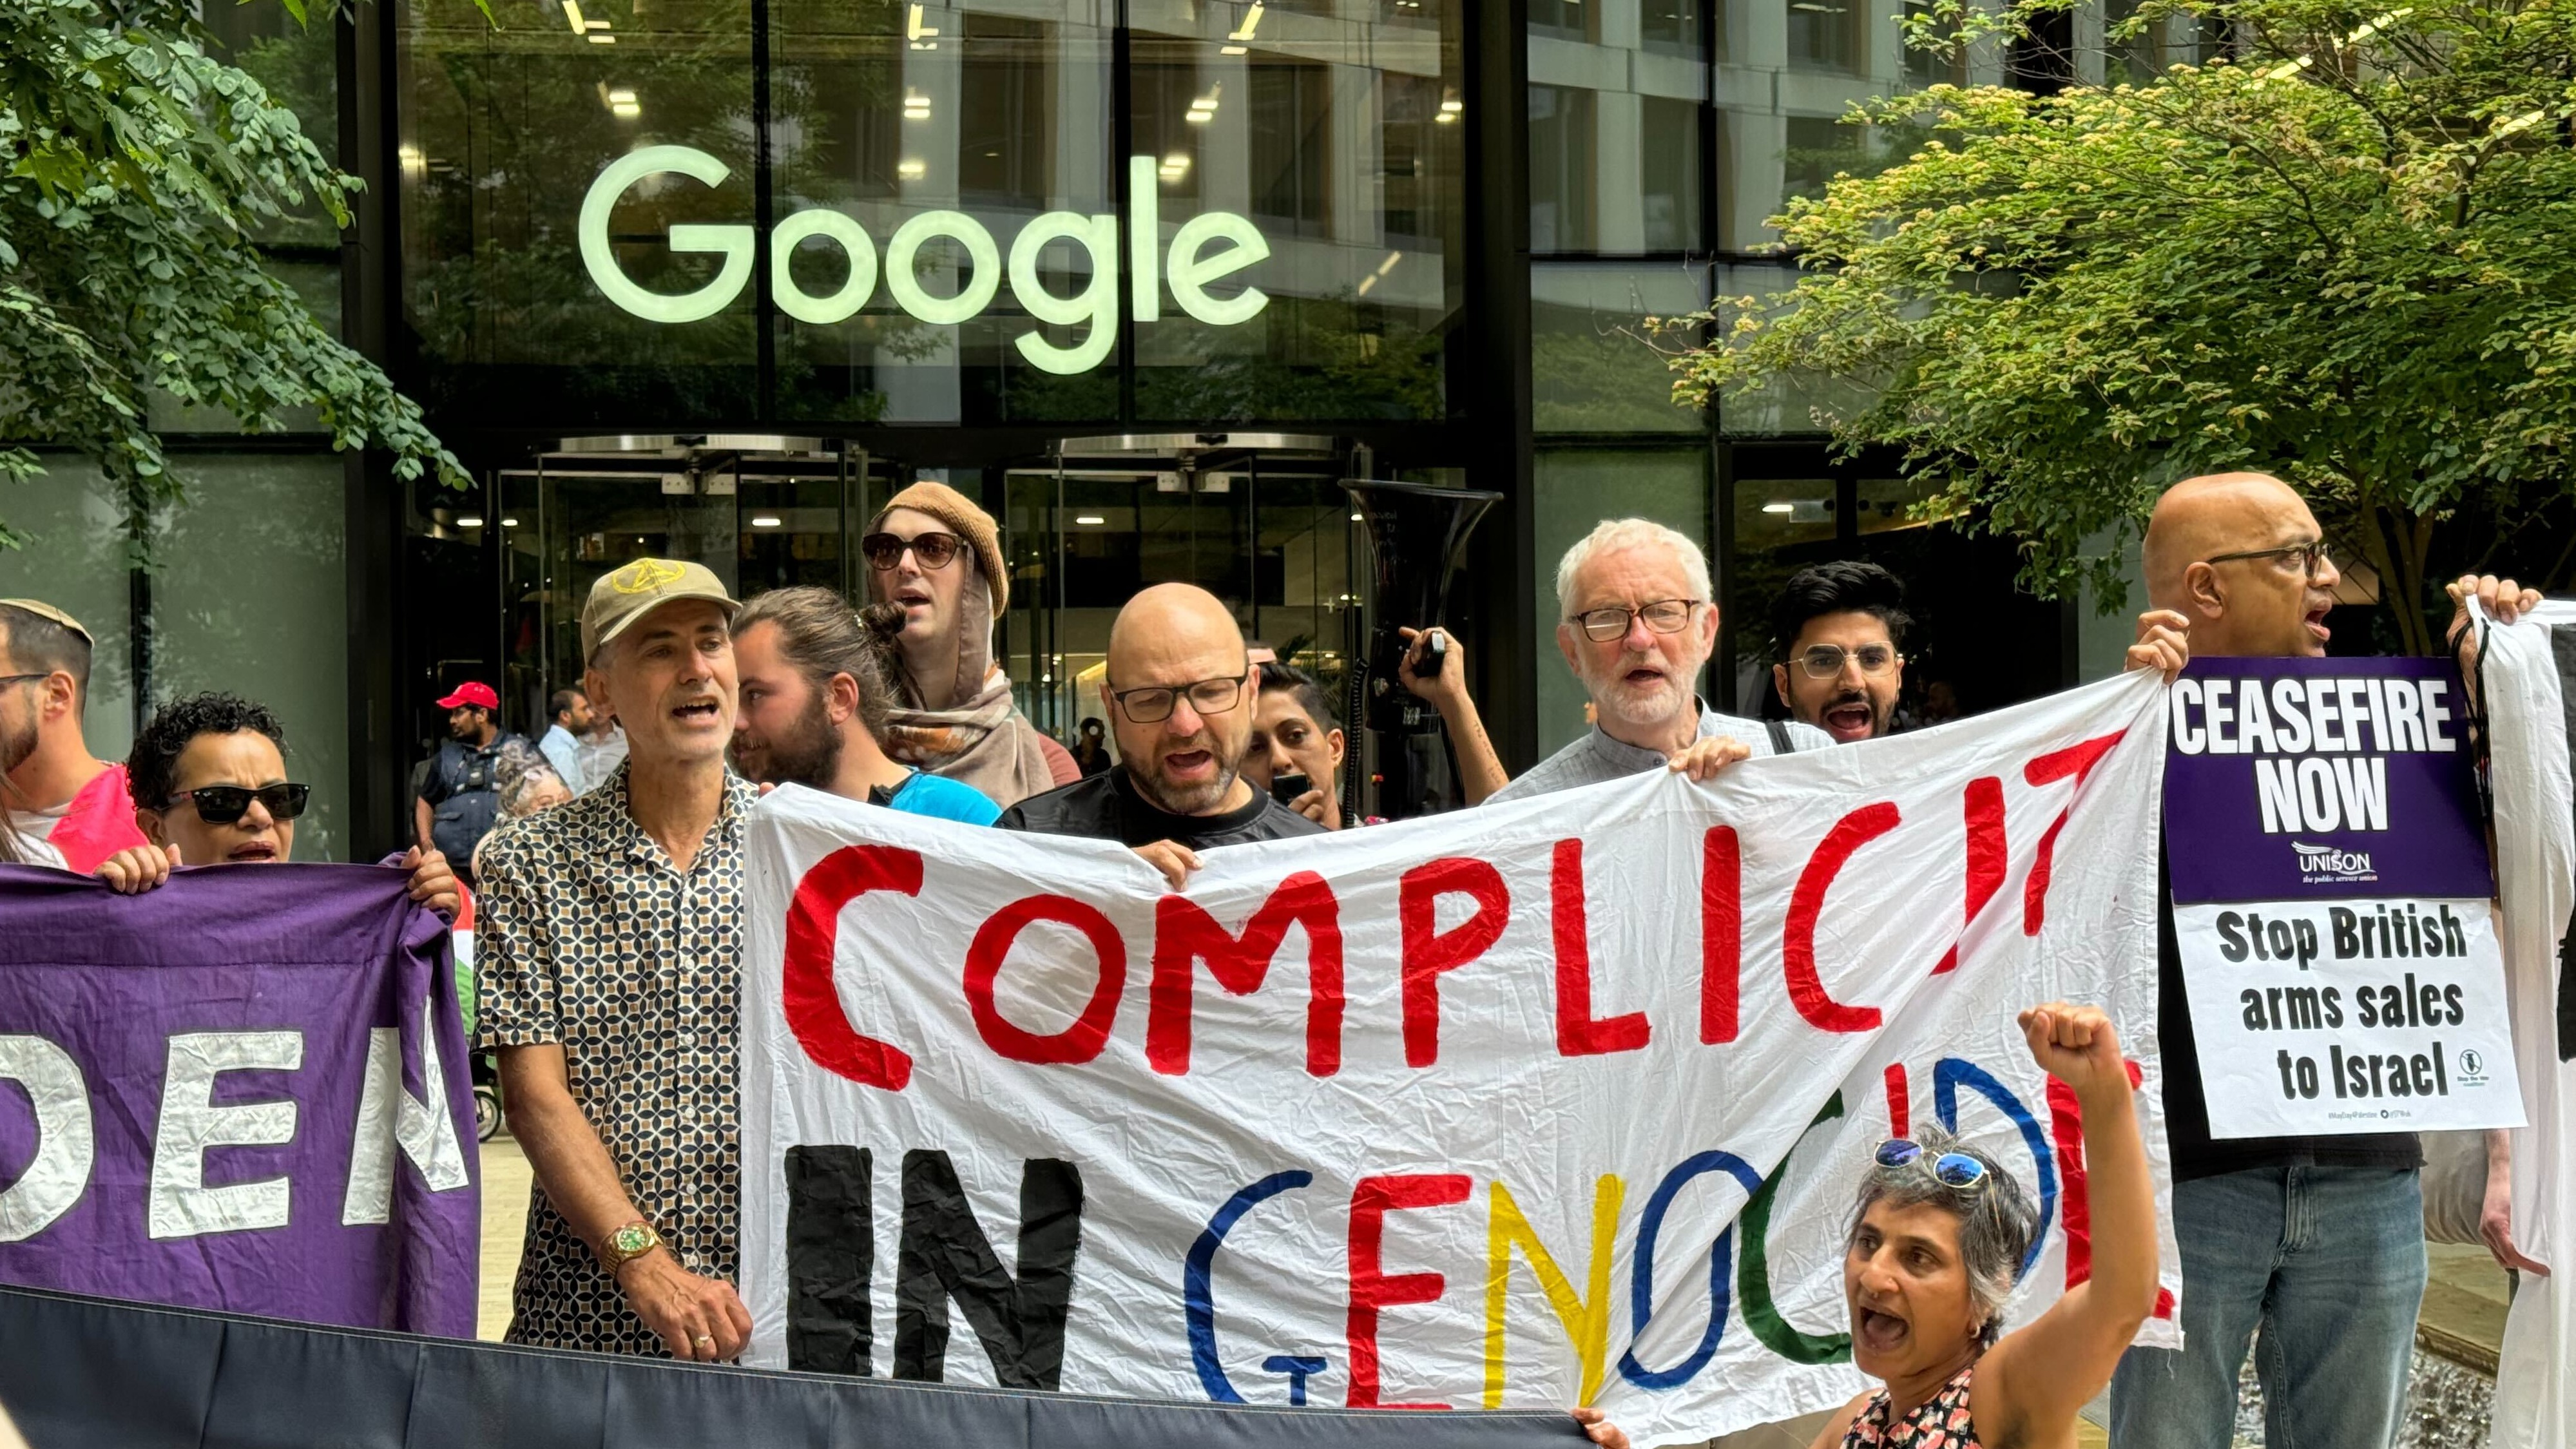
246	1090
2322	779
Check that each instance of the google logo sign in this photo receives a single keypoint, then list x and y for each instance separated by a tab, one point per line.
1204	249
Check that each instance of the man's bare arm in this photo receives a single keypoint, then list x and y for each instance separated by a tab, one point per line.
696	1317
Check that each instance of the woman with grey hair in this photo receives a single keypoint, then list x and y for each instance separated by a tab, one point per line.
1937	1237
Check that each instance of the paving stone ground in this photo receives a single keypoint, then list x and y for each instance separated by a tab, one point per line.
505	1219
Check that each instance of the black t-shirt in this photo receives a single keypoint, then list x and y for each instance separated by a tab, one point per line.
2195	1152
1107	807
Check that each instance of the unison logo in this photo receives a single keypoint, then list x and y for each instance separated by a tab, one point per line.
2330	860
1207	248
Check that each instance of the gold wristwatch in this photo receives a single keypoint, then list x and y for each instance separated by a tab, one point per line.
627	1244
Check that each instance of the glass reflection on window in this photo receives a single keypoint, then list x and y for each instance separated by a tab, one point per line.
505	124
1824	34
1614	120
1594	368
992	122
1333	129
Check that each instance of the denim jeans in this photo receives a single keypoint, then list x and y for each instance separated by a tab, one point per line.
2329	1263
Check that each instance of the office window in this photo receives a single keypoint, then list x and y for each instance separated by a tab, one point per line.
297	63
1337	130
1005	97
1669	157
1594	368
1561	169
1930	68
1566	19
1672	27
284	643
1292	141
1825	34
75	560
1819	148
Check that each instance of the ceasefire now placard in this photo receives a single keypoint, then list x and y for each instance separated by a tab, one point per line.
2333	900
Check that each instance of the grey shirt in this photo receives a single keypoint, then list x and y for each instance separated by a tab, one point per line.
1596	757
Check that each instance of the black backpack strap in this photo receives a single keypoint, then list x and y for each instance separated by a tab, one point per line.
1780	744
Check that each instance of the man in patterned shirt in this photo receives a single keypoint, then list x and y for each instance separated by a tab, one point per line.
610	954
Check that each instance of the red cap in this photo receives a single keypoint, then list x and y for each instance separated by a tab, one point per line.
471	693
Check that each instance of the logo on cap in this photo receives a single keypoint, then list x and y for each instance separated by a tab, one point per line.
644	576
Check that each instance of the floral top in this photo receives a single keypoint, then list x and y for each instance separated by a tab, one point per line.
1943	1421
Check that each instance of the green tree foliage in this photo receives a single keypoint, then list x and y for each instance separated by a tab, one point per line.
135	169
2346	255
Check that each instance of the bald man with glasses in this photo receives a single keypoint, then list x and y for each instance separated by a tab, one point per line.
2314	1243
1180	691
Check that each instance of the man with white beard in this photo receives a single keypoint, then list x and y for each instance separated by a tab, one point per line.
1638	621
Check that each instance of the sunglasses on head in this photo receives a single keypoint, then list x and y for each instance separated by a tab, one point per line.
224	804
1955	1170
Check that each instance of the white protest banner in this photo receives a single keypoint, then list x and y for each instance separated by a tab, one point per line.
1493	1109
2332	900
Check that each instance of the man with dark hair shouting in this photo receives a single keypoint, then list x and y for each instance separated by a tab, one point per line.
1840	630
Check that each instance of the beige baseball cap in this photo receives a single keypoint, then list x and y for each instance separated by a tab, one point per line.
635	589
43	610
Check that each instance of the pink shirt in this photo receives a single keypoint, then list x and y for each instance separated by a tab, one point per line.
98	823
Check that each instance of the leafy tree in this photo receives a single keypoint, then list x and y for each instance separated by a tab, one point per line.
2345	255
135	171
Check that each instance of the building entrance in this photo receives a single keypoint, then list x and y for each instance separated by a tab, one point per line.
762	511
1258	519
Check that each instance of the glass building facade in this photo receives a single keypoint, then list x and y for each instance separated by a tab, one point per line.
715	277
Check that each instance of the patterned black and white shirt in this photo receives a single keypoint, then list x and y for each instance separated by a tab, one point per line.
588	936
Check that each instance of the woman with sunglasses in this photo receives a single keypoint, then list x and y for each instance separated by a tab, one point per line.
213	769
1937	1239
938	558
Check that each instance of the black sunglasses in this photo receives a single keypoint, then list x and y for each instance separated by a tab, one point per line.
224	804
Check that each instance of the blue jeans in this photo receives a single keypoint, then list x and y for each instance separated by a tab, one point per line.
2329	1263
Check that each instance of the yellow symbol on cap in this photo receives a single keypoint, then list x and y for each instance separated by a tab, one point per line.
644	576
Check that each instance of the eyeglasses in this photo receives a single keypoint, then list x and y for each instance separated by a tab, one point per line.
1954	1170
224	804
1825	661
885	550
1154	703
2312	555
23	678
1664	616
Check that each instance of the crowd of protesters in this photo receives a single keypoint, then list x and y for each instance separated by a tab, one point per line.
608	860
